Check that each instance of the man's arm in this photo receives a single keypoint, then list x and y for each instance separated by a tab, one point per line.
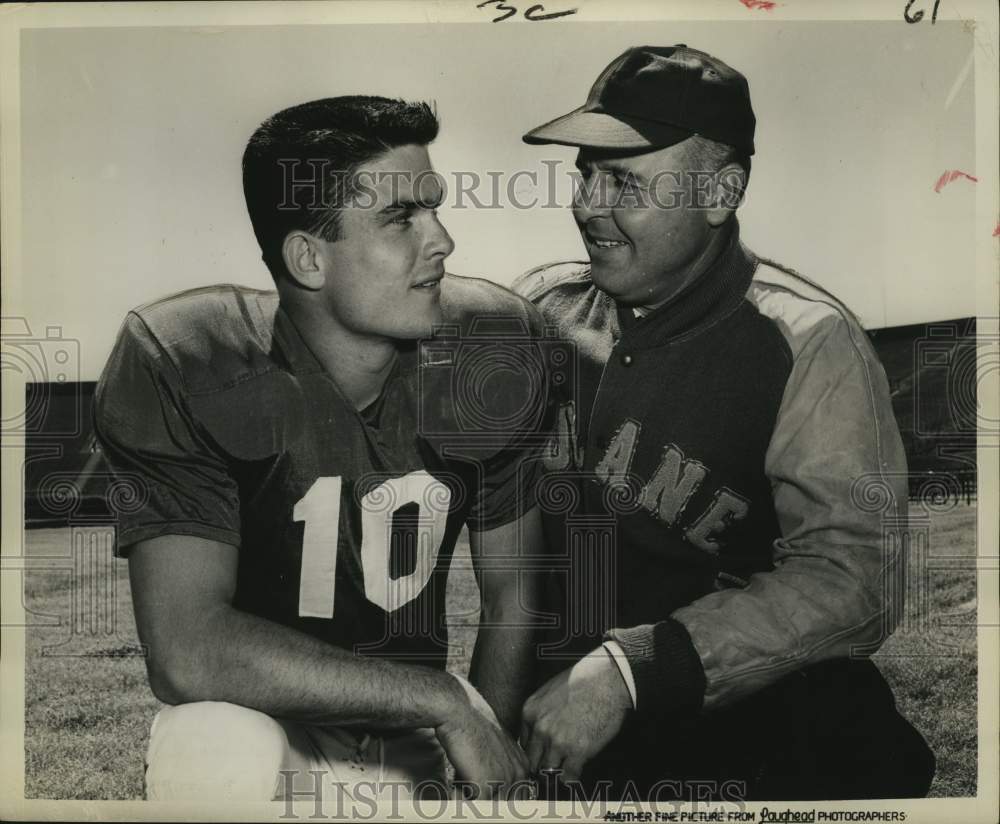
838	474
838	471
202	648
504	656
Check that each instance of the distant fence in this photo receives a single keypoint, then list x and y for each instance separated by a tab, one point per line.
944	487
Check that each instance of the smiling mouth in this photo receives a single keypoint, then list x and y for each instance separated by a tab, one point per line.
427	284
604	243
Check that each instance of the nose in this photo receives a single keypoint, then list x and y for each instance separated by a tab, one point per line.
438	243
591	198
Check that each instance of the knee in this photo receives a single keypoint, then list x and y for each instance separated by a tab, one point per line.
212	750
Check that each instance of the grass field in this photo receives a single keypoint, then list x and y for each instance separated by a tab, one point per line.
88	707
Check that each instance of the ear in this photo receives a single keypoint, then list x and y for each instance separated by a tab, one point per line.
302	260
730	181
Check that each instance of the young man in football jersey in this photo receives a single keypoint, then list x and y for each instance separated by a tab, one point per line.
305	470
734	447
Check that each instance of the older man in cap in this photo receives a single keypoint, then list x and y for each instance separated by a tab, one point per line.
728	433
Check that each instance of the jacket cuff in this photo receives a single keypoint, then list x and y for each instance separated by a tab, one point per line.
618	656
667	669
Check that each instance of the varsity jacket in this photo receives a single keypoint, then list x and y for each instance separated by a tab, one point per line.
736	474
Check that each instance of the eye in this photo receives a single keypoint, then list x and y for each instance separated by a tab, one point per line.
627	182
404	219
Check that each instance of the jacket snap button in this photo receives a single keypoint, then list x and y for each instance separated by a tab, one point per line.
627	360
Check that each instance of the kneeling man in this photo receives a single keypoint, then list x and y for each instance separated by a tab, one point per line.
305	473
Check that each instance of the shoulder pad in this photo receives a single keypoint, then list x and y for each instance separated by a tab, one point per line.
212	332
473	306
536	282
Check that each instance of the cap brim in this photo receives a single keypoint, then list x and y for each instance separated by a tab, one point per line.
604	131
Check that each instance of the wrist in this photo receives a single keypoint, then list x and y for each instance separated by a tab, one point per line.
458	700
616	689
620	660
446	702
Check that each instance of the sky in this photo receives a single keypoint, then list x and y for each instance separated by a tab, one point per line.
131	141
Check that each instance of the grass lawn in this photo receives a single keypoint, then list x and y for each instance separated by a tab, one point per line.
88	707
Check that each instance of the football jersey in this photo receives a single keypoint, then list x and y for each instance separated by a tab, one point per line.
345	521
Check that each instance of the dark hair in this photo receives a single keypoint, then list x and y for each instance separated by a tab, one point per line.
320	144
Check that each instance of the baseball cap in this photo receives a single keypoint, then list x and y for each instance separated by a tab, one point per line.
651	97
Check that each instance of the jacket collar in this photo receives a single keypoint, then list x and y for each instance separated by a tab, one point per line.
710	297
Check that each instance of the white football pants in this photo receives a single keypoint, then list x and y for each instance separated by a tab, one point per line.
215	751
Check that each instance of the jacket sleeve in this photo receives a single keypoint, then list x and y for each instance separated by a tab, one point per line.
838	474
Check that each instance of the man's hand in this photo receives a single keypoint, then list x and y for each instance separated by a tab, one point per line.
574	715
478	746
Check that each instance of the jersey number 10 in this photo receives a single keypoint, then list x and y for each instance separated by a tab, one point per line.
320	509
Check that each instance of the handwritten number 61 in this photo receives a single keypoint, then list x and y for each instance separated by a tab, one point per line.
918	15
534	13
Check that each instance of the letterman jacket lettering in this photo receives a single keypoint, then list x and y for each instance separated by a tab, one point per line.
740	446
